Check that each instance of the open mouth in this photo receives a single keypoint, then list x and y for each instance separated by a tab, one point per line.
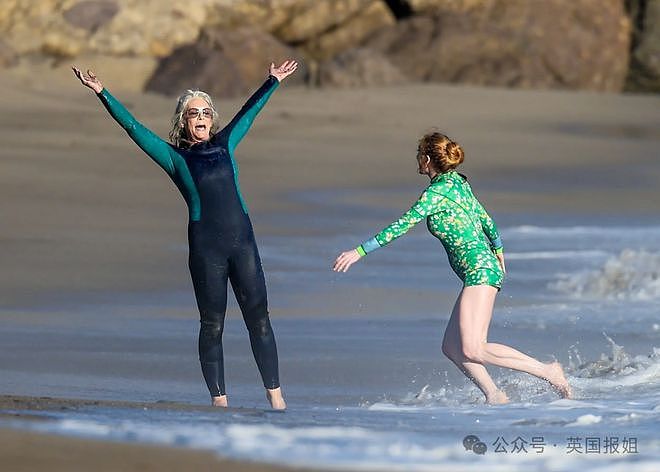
200	127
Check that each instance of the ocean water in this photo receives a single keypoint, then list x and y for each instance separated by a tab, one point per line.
364	376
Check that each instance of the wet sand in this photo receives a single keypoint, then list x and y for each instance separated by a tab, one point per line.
20	403
23	451
31	451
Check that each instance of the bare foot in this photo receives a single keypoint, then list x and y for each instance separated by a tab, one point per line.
555	375
275	398
219	401
497	398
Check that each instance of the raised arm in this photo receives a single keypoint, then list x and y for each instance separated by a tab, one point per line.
241	123
148	141
428	203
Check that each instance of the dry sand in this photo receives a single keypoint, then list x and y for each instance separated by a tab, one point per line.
85	212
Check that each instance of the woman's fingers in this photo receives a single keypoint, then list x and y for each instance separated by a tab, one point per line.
82	77
89	80
345	261
77	72
287	68
340	263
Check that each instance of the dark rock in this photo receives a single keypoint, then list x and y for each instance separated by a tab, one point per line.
223	63
400	8
359	68
196	67
644	74
91	15
514	43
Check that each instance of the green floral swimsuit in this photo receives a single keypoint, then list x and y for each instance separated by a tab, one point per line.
454	216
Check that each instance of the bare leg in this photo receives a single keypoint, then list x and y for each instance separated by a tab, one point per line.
475	312
275	398
452	348
219	401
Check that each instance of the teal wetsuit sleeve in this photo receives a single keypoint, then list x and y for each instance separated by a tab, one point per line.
241	123
490	228
148	141
429	202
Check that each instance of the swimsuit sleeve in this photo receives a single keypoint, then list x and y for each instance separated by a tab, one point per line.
429	202
490	228
241	123
148	141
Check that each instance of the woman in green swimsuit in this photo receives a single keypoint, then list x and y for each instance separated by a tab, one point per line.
470	237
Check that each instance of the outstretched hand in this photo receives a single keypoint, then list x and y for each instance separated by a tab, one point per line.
89	80
287	68
346	260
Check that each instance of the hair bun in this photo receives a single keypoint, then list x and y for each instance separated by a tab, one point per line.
455	154
444	154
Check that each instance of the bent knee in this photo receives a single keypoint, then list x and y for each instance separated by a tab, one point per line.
449	349
473	353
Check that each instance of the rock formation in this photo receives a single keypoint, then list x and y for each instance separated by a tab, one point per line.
577	44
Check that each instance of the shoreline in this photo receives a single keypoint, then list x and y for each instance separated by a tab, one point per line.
25	402
60	453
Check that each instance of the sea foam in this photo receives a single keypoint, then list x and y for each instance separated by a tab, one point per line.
633	274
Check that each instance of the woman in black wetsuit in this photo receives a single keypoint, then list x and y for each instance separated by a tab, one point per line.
201	163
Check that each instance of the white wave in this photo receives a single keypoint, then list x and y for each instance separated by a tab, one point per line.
339	448
594	382
586	420
525	230
633	274
554	255
617	371
332	447
428	398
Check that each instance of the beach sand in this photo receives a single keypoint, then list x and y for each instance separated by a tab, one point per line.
84	211
23	451
85	214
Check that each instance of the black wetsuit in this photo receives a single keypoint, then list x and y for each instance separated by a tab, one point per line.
220	236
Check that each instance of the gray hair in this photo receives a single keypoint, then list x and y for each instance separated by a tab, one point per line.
178	132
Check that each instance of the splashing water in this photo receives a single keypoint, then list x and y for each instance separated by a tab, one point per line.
632	275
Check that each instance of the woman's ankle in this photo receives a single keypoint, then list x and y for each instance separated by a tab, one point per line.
275	398
220	401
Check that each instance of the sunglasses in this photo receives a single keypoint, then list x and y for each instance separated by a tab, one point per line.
192	113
